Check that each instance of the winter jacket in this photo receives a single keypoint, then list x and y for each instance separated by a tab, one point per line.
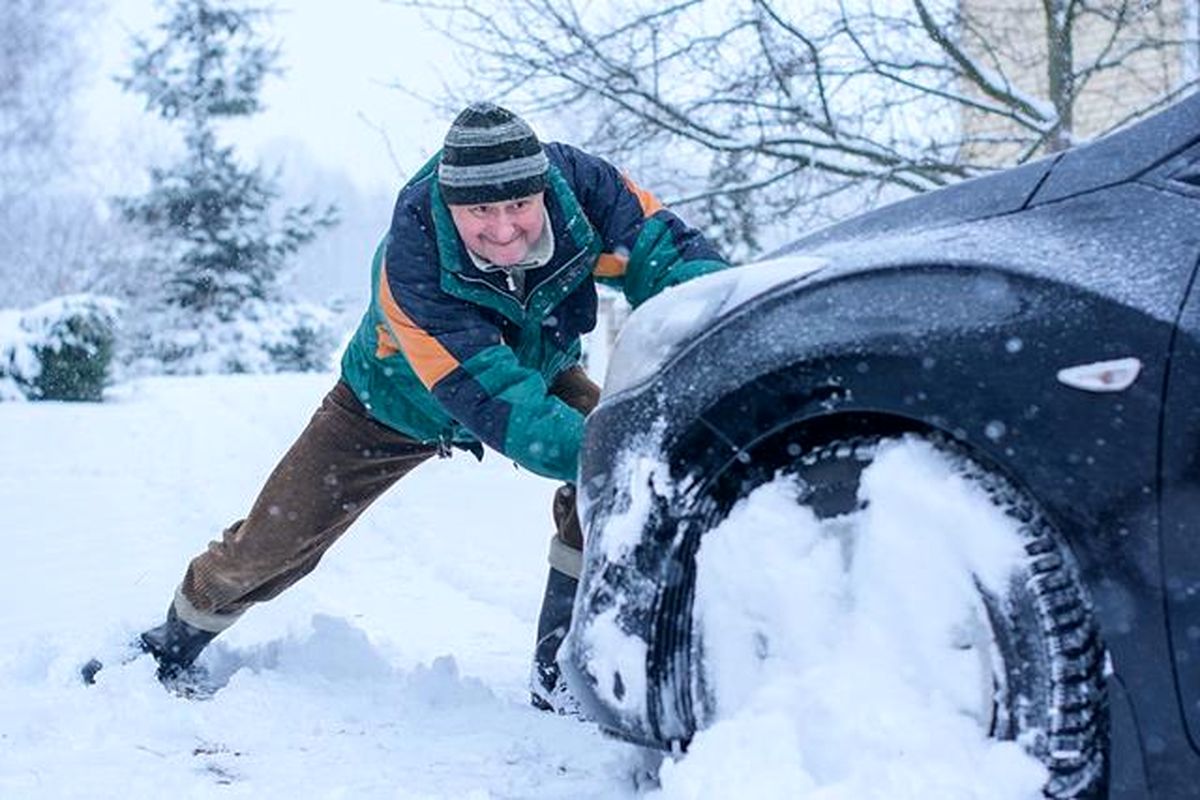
450	354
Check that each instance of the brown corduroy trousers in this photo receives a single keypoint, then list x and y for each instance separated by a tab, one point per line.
341	462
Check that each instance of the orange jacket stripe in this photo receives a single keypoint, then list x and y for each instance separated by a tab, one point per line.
426	355
647	201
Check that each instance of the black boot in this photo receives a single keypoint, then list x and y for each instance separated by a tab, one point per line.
175	645
548	690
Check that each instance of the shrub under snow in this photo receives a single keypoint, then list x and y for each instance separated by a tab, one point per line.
264	337
59	350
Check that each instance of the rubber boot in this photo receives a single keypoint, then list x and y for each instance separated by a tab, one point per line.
175	645
548	690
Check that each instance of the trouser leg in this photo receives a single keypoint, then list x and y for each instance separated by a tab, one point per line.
341	462
566	560
580	392
577	390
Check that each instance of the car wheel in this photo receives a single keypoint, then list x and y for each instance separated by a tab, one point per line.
1039	642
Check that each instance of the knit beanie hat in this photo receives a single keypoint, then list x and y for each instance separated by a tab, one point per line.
490	155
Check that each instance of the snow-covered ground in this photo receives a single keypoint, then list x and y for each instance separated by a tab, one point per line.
398	669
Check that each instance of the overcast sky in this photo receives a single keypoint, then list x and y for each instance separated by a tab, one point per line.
333	101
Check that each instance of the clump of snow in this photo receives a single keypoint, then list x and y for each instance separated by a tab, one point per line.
835	649
10	390
647	477
598	640
612	652
16	355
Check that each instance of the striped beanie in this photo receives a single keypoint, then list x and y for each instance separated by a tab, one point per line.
490	155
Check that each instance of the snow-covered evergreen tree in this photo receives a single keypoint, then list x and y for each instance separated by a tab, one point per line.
217	240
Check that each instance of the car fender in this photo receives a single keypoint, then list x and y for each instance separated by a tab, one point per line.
969	351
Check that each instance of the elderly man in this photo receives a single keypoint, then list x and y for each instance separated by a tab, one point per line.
480	292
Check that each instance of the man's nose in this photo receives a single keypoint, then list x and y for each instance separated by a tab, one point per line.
504	223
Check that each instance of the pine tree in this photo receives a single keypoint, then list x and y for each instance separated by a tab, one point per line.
217	241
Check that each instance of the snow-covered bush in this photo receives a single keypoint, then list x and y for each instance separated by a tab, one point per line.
59	350
305	339
263	337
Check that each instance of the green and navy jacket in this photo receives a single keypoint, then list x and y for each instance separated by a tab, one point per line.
448	354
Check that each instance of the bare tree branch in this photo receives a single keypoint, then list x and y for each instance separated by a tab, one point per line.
829	104
971	71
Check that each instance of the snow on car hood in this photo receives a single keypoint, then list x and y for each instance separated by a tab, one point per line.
663	324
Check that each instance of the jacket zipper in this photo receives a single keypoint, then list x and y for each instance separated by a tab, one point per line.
524	304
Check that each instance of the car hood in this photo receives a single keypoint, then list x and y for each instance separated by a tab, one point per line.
663	325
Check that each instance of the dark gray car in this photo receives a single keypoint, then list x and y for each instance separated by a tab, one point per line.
1042	327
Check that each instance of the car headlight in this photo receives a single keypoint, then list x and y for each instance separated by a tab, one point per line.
663	324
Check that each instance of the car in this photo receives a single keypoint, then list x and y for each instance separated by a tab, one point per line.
1041	327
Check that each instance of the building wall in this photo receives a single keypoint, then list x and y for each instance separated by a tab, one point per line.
1015	45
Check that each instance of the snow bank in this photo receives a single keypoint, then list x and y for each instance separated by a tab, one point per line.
397	669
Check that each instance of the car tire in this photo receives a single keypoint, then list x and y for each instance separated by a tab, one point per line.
1048	663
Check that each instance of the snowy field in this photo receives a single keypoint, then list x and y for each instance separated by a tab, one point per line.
398	669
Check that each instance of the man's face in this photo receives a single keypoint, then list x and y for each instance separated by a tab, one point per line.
502	232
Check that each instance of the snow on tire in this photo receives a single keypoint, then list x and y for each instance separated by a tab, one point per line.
1049	681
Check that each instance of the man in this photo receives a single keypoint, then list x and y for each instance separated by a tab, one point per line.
480	292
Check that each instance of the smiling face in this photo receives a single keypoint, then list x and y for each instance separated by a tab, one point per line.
503	232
